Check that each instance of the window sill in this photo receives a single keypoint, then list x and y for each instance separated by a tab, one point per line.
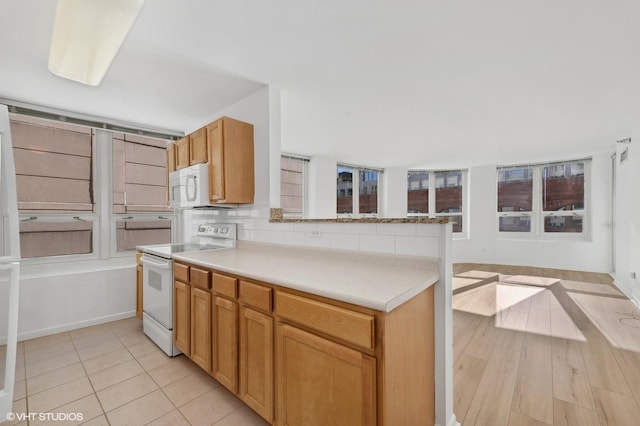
75	267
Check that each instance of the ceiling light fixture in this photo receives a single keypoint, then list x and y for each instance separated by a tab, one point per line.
87	35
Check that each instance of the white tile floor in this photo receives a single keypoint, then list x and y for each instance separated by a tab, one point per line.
113	374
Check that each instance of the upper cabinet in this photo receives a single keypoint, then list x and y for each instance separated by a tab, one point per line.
231	177
227	146
198	146
171	157
182	153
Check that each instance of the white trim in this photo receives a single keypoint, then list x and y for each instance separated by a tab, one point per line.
55	114
65	218
302	158
103	148
361	167
75	325
443	327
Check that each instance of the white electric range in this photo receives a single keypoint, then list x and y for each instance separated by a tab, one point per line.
157	280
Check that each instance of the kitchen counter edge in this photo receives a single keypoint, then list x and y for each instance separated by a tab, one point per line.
359	259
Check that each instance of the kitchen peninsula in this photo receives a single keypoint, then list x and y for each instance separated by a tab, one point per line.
312	336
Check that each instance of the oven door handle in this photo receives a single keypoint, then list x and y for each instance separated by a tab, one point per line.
162	265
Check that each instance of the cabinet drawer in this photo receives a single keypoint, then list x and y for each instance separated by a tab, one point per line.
255	295
227	286
342	323
181	272
200	278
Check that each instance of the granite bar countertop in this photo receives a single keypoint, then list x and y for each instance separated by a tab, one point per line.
377	281
277	217
365	220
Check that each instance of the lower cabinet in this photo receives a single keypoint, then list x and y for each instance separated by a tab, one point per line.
321	382
201	328
302	360
256	361
182	317
225	342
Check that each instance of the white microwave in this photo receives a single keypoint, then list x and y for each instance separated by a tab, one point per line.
189	187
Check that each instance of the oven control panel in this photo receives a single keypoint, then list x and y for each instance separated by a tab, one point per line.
217	230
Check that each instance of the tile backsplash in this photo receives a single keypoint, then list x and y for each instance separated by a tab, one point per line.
417	239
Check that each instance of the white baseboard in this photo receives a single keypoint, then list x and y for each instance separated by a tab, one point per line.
73	326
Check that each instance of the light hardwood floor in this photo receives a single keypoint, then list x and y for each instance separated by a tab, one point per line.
545	347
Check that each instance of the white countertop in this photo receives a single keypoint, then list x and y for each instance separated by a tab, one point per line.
376	281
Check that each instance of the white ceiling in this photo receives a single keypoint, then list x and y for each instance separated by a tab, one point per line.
381	83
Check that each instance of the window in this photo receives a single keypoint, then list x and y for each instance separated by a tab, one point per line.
438	194
139	190
61	171
543	199
515	199
361	199
292	185
55	187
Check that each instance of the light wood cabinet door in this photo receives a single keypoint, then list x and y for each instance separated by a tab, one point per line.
216	161
139	291
323	383
182	316
182	153
256	361
171	157
231	161
225	342
201	328
198	146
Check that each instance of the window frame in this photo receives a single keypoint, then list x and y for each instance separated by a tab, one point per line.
141	217
355	195
64	218
464	234
538	214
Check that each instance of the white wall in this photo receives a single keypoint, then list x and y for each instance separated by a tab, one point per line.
55	299
321	174
486	245
627	222
393	192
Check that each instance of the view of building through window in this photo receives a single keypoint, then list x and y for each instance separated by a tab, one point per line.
362	198
437	194
368	192
515	196
550	194
345	190
563	191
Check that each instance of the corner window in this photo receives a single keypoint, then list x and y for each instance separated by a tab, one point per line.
293	171
359	198
543	199
438	194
